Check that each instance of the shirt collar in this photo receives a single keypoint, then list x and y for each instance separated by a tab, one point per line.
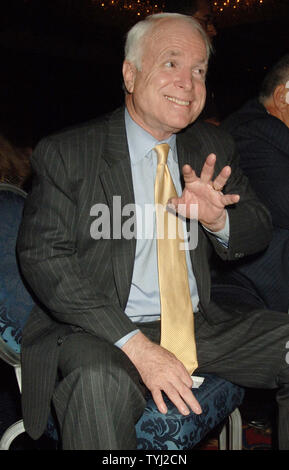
141	142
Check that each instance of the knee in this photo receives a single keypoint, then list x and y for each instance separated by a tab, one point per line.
107	379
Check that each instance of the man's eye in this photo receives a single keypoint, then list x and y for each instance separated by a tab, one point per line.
200	72
170	64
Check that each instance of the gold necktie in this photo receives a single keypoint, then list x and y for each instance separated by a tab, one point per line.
177	317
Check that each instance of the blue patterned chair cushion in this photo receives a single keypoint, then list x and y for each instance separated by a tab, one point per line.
15	300
173	431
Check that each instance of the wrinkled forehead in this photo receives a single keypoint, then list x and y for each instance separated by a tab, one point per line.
177	35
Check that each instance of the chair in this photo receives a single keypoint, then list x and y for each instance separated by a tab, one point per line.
15	300
218	398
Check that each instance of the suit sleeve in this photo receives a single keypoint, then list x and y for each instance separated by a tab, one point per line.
263	146
250	220
267	170
48	252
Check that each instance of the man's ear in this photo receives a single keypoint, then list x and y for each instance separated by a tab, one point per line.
287	92
280	97
129	75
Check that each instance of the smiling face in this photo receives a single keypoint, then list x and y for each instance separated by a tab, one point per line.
168	93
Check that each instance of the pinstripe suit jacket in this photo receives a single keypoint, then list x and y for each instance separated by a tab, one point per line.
83	283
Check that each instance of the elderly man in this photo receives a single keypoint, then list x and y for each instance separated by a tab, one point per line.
103	335
261	132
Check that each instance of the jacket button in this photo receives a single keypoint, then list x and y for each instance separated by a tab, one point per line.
59	340
239	255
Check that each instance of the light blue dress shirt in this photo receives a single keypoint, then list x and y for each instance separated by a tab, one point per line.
144	300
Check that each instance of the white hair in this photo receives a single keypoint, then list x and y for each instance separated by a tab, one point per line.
135	37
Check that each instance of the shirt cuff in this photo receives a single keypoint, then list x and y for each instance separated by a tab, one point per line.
121	342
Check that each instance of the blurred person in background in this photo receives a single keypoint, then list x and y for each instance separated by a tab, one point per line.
261	132
202	11
15	166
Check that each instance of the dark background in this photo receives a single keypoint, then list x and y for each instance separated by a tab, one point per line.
61	65
61	60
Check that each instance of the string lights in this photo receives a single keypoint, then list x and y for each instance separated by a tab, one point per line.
138	7
221	5
237	7
226	12
230	12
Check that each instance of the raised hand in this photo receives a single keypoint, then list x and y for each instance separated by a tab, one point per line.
207	194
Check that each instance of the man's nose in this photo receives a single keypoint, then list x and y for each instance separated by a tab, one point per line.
185	80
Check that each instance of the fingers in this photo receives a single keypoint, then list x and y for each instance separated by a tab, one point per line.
180	395
207	173
159	401
184	400
228	199
189	174
222	178
208	168
162	372
206	177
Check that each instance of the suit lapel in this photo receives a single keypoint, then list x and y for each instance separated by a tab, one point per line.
116	179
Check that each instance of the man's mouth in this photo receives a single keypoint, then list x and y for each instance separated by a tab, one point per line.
177	101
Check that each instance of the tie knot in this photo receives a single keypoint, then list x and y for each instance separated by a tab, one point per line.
162	153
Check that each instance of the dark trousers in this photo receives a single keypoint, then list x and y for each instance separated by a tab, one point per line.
100	395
